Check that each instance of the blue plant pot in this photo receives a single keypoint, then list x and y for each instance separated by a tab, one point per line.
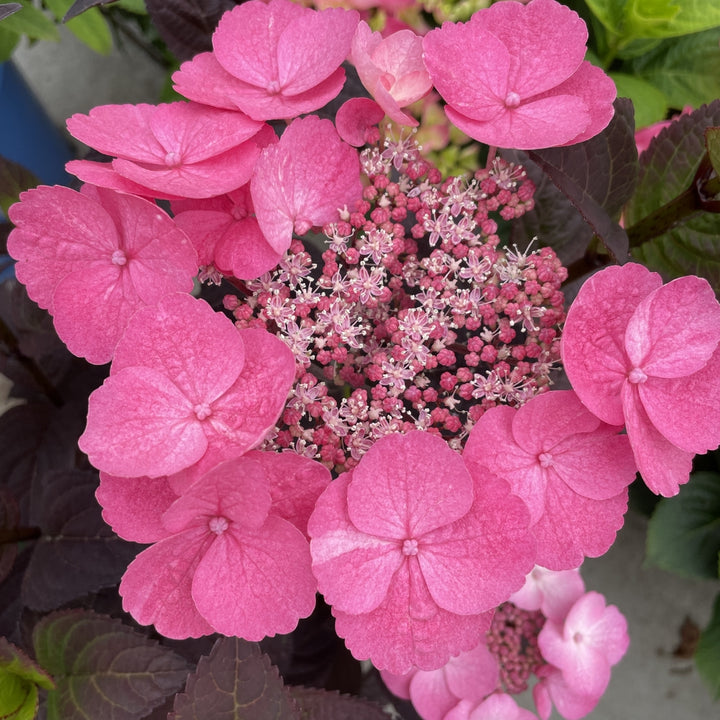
27	135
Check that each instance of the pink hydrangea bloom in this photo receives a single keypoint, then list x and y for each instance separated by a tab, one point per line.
646	354
224	562
571	469
592	639
468	676
514	76
553	592
553	689
644	135
391	69
172	150
226	234
356	120
271	60
184	379
498	706
75	247
303	181
412	552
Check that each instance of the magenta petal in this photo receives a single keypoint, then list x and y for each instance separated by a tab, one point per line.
355	117
473	674
430	694
139	423
156	587
663	466
133	507
255	583
674	330
244	251
408	485
686	410
204	80
593	339
213	352
401	634
236	490
353	569
476	563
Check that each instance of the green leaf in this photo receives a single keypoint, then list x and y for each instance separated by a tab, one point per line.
667	169
31	22
8	43
707	653
685	69
20	678
91	28
14	179
684	531
235	682
102	668
630	19
712	142
650	104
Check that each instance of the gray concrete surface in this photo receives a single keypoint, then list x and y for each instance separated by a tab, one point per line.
650	683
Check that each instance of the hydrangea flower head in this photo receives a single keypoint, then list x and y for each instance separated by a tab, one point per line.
224	561
184	379
391	69
304	180
646	355
413	552
514	76
173	150
75	247
571	470
272	60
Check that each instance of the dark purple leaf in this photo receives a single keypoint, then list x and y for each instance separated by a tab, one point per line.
187	26
7	9
9	520
598	176
236	682
80	6
102	668
317	704
77	552
10	605
14	178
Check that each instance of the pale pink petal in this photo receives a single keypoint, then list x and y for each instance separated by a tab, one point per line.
675	330
408	485
399	635
686	410
249	409
296	483
236	490
303	181
551	591
430	694
461	711
156	587
355	117
398	684
663	466
255	583
140	423
473	674
593	342
570	704
213	352
354	570
477	562
500	706
133	507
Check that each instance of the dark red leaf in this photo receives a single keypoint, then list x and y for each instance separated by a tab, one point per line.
317	704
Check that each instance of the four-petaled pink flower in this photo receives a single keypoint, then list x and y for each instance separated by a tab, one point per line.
646	355
571	470
224	559
591	640
166	151
93	258
303	181
391	69
413	552
514	76
271	60
184	380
